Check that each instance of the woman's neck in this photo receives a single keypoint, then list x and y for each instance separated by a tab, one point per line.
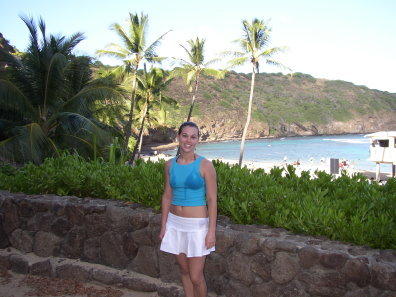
186	158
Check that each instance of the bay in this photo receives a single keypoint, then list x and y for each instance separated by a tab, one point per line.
306	149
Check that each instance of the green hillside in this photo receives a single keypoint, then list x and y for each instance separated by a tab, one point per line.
282	99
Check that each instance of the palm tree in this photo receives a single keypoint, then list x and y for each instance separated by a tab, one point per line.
132	52
194	66
254	45
45	100
150	87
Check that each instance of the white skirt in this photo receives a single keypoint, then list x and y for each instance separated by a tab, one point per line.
186	235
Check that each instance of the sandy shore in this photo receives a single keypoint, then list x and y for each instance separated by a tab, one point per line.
268	165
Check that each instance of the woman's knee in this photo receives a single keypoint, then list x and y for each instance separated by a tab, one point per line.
197	278
183	267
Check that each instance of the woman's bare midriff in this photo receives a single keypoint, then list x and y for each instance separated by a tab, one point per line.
190	211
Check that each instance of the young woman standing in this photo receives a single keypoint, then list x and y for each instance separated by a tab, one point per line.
189	211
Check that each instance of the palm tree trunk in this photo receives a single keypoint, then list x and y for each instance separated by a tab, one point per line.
193	100
248	118
140	146
135	149
128	127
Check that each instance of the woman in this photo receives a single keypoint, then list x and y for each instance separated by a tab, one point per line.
188	224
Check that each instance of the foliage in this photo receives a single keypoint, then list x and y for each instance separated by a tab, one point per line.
347	208
195	66
46	99
150	90
255	48
71	175
132	51
283	100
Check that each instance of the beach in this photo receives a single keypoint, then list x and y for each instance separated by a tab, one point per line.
306	153
268	165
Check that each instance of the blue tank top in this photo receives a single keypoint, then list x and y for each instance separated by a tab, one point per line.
187	183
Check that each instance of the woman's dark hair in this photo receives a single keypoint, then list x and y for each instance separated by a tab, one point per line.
187	124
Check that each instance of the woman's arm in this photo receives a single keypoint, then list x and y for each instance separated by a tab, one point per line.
209	174
166	199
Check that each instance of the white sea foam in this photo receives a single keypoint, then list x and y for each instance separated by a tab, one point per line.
358	141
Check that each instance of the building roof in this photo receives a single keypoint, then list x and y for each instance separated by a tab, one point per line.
382	134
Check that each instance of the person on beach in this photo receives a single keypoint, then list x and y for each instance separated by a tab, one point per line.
189	211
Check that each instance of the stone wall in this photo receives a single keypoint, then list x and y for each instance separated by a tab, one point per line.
249	260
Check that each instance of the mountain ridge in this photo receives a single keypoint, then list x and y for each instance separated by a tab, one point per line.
283	106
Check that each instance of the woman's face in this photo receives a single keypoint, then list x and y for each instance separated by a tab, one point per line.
188	139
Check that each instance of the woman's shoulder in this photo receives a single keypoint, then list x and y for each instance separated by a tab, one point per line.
168	162
206	163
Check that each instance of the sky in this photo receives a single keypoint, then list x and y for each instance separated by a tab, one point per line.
350	40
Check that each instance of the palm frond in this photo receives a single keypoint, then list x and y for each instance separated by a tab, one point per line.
14	100
54	80
214	73
238	61
29	141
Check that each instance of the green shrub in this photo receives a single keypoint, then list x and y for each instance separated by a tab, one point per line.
347	208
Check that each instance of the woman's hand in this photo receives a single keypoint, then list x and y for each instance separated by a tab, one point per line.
210	240
162	233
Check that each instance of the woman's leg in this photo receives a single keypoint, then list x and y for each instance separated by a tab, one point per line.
196	268
192	276
182	261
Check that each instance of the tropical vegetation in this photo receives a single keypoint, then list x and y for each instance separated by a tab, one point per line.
255	48
151	87
46	99
67	122
364	214
133	51
195	66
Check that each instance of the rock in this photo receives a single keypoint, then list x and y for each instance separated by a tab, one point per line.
22	240
170	291
74	214
73	244
95	224
60	226
4	242
46	244
132	241
261	267
91	250
384	276
247	243
139	219
168	267
106	276
138	284
111	250
146	261
356	270
333	260
19	264
284	268
73	271
42	268
118	218
224	240
10	216
41	221
309	256
237	289
239	268
324	283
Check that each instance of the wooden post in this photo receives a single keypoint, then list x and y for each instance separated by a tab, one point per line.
393	170
377	172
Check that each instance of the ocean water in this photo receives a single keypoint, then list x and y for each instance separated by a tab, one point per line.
307	149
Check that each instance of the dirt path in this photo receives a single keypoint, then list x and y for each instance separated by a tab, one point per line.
19	285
